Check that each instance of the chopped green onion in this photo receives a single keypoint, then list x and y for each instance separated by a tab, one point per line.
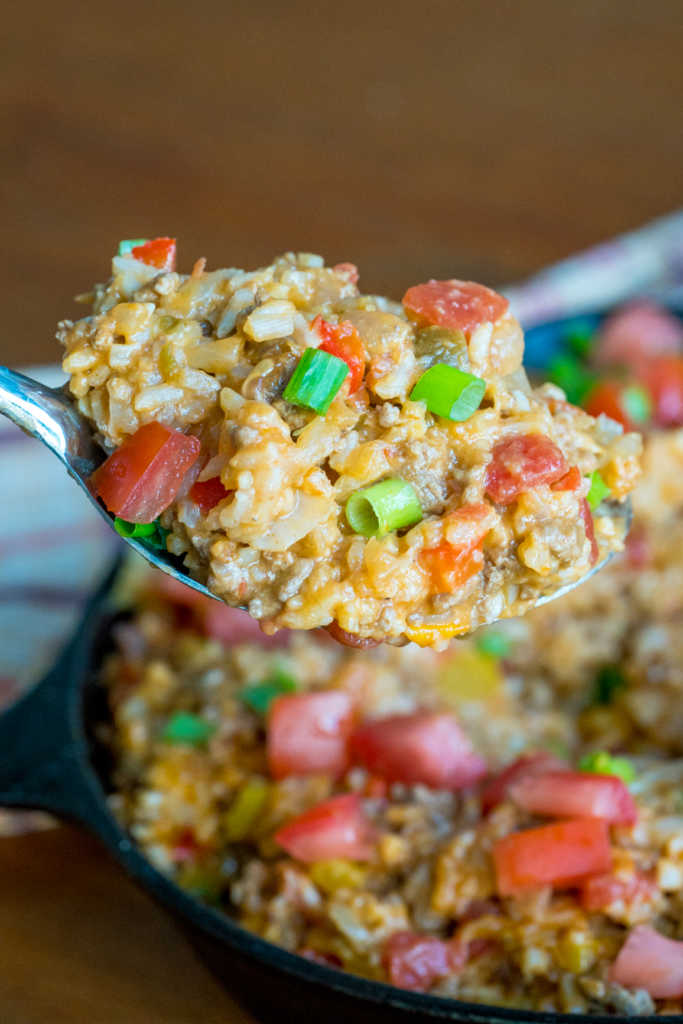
449	392
184	727
153	535
259	696
636	403
609	680
580	339
127	530
316	380
574	379
602	763
598	490
382	508
128	244
493	643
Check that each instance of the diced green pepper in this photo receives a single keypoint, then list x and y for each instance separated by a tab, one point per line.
186	727
493	642
258	696
608	681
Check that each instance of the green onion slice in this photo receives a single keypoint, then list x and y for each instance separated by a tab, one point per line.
316	380
152	534
382	508
598	490
636	403
127	530
493	643
185	727
128	244
449	392
600	762
259	696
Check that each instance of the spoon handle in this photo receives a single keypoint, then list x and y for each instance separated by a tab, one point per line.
48	415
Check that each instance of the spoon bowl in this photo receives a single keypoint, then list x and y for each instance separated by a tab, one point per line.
51	416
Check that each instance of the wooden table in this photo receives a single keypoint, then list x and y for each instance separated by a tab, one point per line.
439	138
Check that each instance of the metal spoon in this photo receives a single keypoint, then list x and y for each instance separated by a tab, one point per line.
50	415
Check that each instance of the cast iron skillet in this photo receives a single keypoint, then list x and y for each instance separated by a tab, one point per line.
50	759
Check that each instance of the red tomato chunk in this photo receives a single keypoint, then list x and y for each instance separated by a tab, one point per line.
343	341
424	747
651	961
308	734
158	252
638	332
557	855
496	789
348	270
589	527
663	378
335	828
605	399
575	794
458	305
452	564
415	961
521	463
207	493
143	477
603	891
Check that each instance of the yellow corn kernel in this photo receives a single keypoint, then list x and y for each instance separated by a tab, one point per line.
331	875
245	809
576	952
470	675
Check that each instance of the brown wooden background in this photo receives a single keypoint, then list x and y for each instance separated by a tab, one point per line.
436	138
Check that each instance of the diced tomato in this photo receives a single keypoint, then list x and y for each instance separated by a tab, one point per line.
308	733
575	794
335	828
571	481
158	252
457	305
637	546
207	493
233	626
589	527
349	270
362	643
602	891
557	855
638	332
186	847
605	399
142	477
663	378
650	961
343	341
229	625
414	961
425	747
497	788
520	463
